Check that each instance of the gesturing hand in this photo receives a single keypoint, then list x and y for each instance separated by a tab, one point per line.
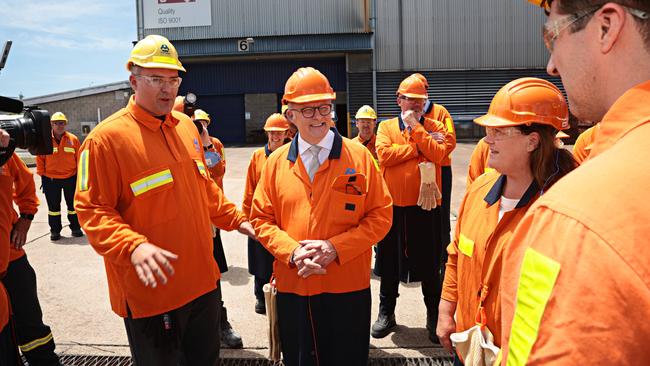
19	232
148	260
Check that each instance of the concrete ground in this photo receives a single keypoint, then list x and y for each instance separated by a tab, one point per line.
74	296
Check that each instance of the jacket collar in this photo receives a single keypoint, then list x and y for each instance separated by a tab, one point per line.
267	151
496	191
146	119
630	111
335	153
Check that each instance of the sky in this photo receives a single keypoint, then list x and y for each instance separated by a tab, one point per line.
62	45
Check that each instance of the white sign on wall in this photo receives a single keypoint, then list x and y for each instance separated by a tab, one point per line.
176	13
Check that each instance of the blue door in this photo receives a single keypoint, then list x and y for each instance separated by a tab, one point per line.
227	116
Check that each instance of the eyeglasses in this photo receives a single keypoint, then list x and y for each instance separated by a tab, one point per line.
409	99
159	82
501	133
551	30
310	112
59	123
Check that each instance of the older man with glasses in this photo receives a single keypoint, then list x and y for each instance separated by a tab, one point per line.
411	251
146	201
576	284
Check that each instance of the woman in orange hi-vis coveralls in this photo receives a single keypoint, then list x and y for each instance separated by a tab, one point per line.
576	284
58	172
215	158
521	125
260	261
319	207
147	203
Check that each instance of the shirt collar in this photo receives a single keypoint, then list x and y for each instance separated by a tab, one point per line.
628	112
332	141
146	119
496	192
267	151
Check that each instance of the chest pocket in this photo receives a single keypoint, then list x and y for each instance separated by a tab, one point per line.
348	198
152	181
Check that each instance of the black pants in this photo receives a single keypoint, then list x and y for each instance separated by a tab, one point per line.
326	329
189	334
8	349
34	338
445	224
52	188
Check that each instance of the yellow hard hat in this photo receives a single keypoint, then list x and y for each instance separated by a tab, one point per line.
366	111
200	114
58	116
155	51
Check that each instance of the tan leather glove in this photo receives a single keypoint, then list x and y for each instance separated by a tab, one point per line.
429	192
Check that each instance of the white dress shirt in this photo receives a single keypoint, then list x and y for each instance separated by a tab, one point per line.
326	145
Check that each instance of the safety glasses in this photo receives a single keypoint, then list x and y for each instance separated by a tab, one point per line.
59	123
159	82
501	133
310	112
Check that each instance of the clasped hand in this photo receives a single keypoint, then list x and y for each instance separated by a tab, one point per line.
313	256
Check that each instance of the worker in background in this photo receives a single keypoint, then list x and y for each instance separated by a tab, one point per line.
215	158
478	161
521	124
58	172
584	142
575	278
319	207
439	113
293	130
260	261
407	149
366	120
147	203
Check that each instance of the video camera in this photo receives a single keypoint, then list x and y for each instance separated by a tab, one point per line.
31	130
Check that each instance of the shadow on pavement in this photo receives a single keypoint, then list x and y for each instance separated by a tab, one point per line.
236	276
71	240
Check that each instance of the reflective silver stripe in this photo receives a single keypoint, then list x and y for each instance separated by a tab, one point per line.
82	179
153	181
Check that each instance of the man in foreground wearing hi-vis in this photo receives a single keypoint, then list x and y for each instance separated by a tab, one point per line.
146	201
318	208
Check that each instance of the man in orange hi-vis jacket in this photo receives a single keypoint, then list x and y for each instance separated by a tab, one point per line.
412	249
58	173
576	285
147	203
319	207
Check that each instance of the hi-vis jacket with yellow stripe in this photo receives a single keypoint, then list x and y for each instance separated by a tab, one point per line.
480	235
439	113
478	161
347	203
62	163
400	151
17	185
144	180
576	278
219	170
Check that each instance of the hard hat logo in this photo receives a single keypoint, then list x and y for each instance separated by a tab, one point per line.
164	48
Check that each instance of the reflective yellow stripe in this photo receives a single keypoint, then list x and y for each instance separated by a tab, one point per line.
35	343
450	125
536	282
72	212
55	149
376	163
466	245
69	149
52	213
164	60
487	170
201	166
153	181
82	179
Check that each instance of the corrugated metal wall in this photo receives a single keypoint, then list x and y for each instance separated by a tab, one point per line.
251	18
458	34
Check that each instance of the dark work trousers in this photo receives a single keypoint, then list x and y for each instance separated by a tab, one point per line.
260	265
445	226
410	252
326	329
187	335
220	257
52	188
8	349
34	338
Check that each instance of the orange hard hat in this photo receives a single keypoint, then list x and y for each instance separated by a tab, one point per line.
421	77
526	101
546	4
276	122
307	85
413	87
179	104
561	135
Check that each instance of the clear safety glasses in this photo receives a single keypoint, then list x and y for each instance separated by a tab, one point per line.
159	82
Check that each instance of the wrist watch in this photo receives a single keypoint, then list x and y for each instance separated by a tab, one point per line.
27	216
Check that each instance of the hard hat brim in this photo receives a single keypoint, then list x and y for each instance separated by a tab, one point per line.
561	135
415	96
271	129
155	65
489	120
312	98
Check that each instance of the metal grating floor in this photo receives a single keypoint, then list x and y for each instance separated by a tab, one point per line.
75	360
